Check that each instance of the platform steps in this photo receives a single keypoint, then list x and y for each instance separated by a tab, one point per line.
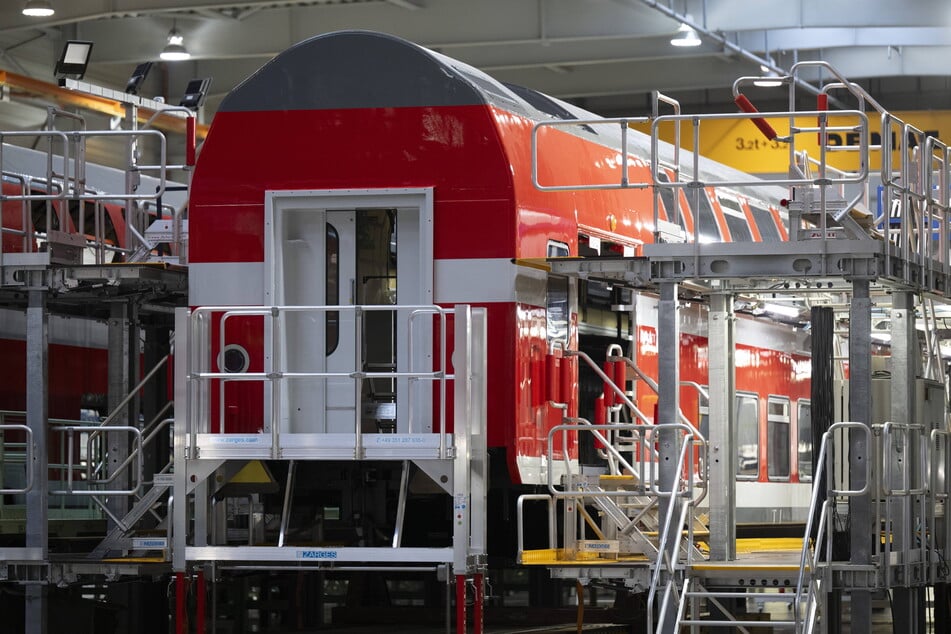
120	537
843	218
633	520
723	606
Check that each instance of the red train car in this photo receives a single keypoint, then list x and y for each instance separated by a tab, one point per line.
358	168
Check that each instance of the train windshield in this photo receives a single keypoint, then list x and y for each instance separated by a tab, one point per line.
765	223
705	220
735	220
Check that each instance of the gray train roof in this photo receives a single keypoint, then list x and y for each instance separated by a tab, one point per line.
367	69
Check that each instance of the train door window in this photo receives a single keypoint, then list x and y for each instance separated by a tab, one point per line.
765	223
333	287
703	414
777	438
804	441
735	220
706	220
747	436
556	312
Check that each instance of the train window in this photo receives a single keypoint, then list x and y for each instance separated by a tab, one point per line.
777	437
332	295
747	436
556	312
804	444
764	222
38	212
668	195
735	220
705	220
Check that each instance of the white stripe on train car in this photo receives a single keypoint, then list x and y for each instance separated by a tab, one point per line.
468	281
488	280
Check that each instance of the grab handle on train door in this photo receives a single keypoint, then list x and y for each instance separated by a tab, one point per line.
554	378
747	106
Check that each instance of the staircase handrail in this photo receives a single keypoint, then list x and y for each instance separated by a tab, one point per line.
694	438
136	452
586	425
28	458
942	493
610	383
92	467
663	559
651	383
823	464
149	433
520	520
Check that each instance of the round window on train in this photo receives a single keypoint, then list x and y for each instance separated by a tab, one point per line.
234	359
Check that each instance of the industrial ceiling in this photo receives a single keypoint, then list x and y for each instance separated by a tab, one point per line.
606	55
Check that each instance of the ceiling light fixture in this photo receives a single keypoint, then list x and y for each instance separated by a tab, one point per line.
770	78
38	9
175	50
686	35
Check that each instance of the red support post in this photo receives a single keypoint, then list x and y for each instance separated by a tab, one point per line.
460	604
477	607
181	626
200	602
190	141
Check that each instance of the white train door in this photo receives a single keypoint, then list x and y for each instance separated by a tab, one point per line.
347	248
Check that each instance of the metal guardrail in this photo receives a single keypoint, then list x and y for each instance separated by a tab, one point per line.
273	331
824	465
27	460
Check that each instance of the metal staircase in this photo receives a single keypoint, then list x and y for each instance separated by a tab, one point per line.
119	538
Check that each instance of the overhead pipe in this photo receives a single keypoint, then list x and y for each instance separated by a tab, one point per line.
735	48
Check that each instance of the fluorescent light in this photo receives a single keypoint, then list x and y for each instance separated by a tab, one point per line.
782	310
38	9
770	78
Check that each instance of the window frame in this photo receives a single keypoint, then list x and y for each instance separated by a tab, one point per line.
799	408
557	249
772	420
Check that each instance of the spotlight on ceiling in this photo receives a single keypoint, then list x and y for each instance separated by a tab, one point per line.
73	61
38	9
686	35
770	78
175	50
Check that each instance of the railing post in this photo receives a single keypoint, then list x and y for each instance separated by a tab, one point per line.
722	420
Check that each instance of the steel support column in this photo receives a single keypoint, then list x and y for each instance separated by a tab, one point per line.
668	404
860	403
906	601
722	431
37	500
179	495
124	367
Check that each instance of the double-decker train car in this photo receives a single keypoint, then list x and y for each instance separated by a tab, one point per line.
358	168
